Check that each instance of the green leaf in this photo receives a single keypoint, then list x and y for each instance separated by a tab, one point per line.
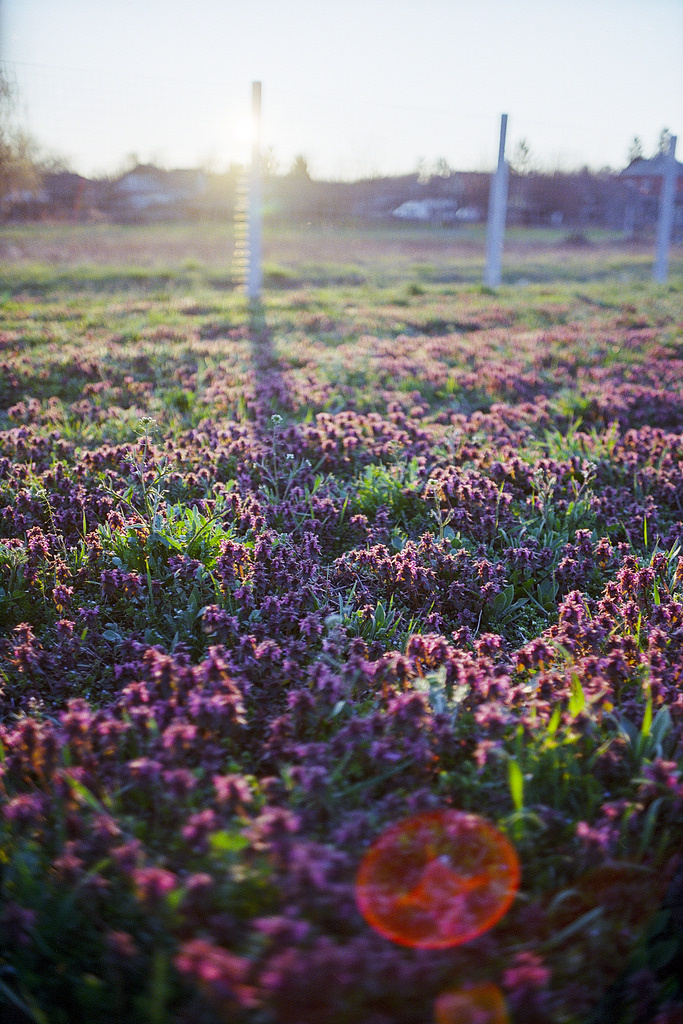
649	825
159	987
516	781
577	700
647	719
589	918
662	724
627	730
31	1013
84	794
660	954
228	842
554	722
500	603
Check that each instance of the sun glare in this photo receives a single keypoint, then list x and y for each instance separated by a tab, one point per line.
244	135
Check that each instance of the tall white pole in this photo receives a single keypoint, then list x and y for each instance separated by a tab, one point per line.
495	227
665	222
255	272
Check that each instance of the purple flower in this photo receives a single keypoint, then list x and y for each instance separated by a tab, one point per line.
26	810
120	946
526	983
178	782
62	596
127	856
232	791
153	884
68	868
597	841
197	829
17	923
221	974
179	737
527	972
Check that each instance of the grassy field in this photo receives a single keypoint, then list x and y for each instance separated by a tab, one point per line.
277	579
325	254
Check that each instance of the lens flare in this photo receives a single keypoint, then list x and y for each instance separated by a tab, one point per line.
437	879
475	1004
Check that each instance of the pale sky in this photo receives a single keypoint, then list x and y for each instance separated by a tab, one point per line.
359	87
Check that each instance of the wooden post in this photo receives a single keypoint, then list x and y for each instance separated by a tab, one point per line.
254	271
665	222
495	227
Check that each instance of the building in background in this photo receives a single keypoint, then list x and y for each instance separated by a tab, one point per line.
645	181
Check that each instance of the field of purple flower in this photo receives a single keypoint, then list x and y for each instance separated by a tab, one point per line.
272	580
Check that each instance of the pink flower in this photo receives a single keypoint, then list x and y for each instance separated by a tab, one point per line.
220	973
232	790
153	884
68	867
198	827
24	810
120	945
526	973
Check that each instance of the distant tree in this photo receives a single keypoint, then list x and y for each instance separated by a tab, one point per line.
664	141
635	151
521	157
129	162
53	163
442	168
18	170
299	168
269	162
422	172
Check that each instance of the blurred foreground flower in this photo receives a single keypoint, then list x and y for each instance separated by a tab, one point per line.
437	879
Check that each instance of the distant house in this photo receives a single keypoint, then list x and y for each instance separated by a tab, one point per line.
71	196
647	176
432	211
438	211
567	199
150	193
56	195
24	203
645	179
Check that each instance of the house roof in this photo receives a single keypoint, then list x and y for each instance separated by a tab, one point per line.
63	185
146	175
146	187
653	168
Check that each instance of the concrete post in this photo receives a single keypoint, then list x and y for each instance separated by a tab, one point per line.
254	270
665	222
495	227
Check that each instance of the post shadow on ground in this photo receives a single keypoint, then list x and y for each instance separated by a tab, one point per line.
271	391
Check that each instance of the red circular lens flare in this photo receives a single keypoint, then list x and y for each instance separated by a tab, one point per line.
437	879
483	1004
